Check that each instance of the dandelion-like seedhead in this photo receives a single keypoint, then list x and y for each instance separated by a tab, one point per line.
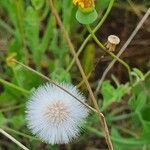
54	115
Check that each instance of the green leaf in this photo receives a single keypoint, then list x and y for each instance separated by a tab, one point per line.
32	32
138	72
102	4
23	78
17	121
86	18
146	123
38	4
110	94
3	120
88	58
61	75
67	14
139	102
48	35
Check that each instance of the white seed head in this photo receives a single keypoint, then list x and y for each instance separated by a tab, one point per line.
113	39
54	115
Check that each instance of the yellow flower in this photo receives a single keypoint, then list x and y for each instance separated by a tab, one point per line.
84	4
9	59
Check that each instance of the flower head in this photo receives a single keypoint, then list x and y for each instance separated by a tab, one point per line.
54	115
86	5
112	41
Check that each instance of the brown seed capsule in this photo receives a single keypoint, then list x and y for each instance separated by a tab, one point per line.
112	41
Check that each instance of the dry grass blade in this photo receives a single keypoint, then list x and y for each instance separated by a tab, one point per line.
13	139
72	50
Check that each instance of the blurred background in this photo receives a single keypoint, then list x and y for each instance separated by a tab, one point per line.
29	30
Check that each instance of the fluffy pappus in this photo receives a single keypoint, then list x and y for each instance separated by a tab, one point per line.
55	116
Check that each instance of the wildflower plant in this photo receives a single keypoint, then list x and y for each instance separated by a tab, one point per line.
47	114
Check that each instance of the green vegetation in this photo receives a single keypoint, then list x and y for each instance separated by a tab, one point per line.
31	34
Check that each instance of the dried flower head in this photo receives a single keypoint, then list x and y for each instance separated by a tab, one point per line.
113	40
55	116
86	5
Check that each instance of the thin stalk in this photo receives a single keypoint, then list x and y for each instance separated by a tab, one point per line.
110	53
94	30
20	133
51	81
72	50
14	86
13	139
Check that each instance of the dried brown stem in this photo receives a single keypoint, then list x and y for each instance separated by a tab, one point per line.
13	139
72	50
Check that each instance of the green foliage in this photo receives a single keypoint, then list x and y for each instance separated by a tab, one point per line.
37	4
37	40
88	58
111	94
86	18
32	32
103	4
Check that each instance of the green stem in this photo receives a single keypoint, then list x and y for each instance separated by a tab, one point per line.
110	53
14	86
94	30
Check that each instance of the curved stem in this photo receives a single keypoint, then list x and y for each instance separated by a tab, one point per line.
110	53
94	30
